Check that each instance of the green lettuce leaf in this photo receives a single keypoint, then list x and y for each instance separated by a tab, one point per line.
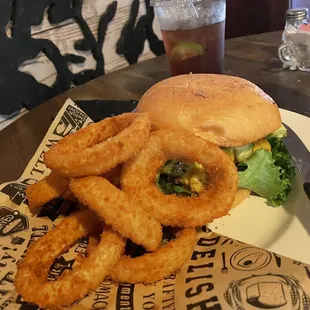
269	174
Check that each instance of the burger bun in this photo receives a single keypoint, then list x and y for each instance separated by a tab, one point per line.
226	110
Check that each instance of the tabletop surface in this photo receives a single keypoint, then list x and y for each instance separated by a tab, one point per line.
253	57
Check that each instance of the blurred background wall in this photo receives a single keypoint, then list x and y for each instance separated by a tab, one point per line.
246	17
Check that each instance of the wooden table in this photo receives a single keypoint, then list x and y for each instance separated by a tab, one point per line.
253	57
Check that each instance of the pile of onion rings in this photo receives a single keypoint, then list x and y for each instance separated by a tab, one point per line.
110	168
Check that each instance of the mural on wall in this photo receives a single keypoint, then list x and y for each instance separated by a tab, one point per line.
48	46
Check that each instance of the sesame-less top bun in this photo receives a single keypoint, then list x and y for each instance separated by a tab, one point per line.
226	110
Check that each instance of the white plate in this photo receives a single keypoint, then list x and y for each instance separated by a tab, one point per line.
284	230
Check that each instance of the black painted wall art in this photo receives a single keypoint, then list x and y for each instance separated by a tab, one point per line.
20	89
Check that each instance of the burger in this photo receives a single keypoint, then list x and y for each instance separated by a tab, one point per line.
236	115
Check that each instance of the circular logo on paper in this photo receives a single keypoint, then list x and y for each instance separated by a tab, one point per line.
250	259
269	291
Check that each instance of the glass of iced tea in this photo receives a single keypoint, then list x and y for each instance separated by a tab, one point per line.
193	33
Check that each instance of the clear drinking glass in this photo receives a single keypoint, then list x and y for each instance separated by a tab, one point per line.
193	33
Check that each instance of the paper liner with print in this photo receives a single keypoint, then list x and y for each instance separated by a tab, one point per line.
221	273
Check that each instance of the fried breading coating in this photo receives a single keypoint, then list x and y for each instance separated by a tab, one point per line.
154	266
99	147
31	278
117	210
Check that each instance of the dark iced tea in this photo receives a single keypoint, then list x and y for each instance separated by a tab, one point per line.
199	50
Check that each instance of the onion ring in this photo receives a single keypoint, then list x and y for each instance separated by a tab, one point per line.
47	189
54	186
112	205
30	280
139	175
154	266
99	147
